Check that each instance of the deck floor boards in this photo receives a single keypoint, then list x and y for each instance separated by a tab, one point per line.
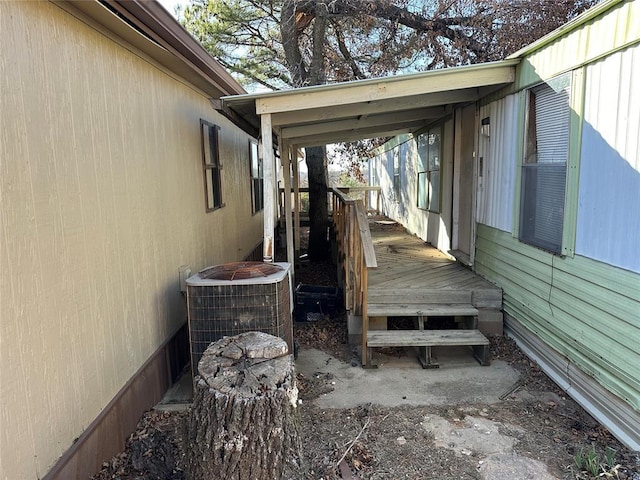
408	264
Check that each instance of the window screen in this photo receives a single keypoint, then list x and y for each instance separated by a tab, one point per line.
545	164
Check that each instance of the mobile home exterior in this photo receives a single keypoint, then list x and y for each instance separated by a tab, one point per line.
553	215
116	171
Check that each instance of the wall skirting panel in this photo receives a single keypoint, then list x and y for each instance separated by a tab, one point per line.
616	415
106	435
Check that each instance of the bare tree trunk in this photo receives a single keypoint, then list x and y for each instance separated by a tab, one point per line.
318	208
243	422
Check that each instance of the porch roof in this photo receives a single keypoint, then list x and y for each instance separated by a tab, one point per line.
371	108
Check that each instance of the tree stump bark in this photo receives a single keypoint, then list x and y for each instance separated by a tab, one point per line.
243	422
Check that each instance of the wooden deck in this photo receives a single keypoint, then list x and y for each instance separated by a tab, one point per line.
411	272
386	272
413	279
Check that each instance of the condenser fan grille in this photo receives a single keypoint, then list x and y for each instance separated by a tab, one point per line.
233	298
240	271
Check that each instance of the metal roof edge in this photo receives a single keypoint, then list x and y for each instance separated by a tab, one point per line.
571	25
148	27
230	99
161	22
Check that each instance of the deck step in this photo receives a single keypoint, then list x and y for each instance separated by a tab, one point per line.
425	339
421	309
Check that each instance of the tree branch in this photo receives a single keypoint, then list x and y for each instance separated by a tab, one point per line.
317	71
290	44
357	73
385	10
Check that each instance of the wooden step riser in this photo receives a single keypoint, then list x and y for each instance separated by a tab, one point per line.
394	297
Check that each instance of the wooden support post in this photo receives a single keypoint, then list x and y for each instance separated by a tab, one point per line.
270	186
296	201
285	155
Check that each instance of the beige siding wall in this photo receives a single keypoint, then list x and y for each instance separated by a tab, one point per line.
101	201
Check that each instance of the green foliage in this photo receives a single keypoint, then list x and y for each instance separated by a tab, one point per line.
304	202
244	36
348	180
591	465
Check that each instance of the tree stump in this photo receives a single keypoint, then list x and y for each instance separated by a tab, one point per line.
243	422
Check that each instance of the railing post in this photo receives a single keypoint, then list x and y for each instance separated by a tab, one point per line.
365	316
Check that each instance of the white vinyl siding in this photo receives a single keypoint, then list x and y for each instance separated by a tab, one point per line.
608	227
497	154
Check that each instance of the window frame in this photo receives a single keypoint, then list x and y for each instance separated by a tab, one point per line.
427	170
257	198
397	185
539	170
211	165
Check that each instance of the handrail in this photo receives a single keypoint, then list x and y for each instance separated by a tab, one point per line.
355	255
370	260
366	190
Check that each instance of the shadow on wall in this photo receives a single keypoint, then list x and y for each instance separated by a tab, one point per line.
608	226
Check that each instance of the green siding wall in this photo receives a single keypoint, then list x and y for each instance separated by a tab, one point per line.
615	29
585	310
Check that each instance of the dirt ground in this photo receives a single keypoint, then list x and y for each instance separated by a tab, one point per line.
371	442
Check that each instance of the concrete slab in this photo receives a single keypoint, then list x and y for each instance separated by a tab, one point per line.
468	436
179	396
401	380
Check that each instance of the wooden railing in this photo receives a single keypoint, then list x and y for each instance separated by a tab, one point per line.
364	193
303	201
371	203
355	255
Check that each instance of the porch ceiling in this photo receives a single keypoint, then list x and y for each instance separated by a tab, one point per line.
372	108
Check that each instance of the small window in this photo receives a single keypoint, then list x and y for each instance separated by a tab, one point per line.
396	173
429	151
257	182
544	166
212	166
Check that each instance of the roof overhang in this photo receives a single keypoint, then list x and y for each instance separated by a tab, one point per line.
372	108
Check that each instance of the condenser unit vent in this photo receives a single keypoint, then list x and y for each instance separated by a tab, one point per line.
234	298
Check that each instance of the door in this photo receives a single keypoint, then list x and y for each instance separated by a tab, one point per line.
464	184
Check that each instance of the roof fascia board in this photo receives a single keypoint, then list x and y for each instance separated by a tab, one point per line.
373	81
561	31
387	88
